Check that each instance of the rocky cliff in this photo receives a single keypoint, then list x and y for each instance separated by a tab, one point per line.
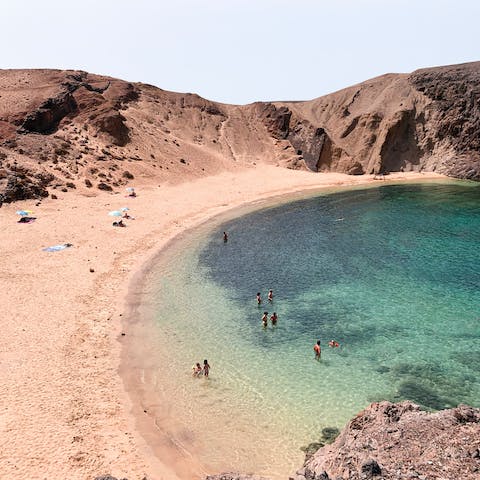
399	441
64	130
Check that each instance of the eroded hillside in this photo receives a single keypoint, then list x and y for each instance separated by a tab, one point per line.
65	130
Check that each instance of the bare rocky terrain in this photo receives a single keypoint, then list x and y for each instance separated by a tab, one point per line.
66	130
399	441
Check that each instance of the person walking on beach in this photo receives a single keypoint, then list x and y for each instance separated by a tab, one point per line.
265	319
206	368
259	299
270	295
274	318
225	237
318	350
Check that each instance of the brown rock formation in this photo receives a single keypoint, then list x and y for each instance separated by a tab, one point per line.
399	441
72	126
234	476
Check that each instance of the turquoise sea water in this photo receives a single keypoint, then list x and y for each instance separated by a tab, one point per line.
391	273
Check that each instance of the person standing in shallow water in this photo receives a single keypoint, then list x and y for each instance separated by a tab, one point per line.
225	237
318	350
206	368
274	318
270	295
259	299
265	319
196	370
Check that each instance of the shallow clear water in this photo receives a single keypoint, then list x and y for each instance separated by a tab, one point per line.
391	273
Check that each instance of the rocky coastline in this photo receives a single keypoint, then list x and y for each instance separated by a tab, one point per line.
393	441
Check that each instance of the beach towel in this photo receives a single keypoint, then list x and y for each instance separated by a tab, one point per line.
57	248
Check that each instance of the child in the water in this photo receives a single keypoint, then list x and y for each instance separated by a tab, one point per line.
197	370
206	368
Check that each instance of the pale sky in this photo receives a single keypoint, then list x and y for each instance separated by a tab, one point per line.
236	51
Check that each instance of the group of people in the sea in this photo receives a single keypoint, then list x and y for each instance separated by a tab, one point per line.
273	319
317	348
269	296
199	371
273	316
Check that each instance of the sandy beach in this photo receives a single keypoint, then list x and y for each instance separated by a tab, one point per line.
64	411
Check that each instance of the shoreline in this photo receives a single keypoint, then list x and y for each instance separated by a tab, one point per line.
65	410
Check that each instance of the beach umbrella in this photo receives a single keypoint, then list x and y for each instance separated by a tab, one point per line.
124	209
115	213
24	213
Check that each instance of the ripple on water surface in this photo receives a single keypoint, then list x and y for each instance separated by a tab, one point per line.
391	273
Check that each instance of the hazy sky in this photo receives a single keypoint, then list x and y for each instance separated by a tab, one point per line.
240	51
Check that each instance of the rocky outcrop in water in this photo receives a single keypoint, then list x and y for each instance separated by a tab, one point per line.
81	129
392	441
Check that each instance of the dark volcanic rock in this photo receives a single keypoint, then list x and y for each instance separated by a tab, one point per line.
46	118
312	143
455	92
233	476
109	477
22	187
465	166
371	468
104	186
277	120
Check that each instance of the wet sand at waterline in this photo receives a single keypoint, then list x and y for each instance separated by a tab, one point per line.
64	410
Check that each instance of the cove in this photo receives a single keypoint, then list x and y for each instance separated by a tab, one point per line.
391	273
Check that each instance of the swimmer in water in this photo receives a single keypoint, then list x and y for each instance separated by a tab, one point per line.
270	295
206	368
259	298
333	344
318	350
197	370
265	319
274	318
